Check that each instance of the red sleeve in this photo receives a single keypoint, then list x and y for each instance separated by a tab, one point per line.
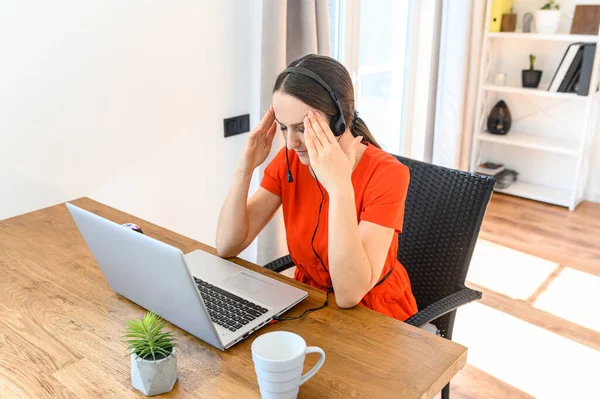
385	196
274	174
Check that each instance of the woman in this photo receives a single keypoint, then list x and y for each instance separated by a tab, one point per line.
342	196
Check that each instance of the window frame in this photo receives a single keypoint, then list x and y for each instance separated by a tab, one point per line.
347	52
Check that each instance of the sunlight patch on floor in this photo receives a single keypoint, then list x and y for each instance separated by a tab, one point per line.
507	271
530	358
575	296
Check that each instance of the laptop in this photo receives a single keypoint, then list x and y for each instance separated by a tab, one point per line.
211	298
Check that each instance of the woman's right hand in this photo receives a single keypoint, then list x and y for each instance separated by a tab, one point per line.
258	145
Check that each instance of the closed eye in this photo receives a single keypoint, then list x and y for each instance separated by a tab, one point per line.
300	128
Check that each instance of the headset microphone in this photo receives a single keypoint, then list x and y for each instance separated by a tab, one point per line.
289	173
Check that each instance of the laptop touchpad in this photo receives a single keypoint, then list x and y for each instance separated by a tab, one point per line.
246	283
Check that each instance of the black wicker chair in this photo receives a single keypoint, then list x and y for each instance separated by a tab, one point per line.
443	214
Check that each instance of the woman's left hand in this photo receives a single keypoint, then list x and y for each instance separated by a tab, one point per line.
330	163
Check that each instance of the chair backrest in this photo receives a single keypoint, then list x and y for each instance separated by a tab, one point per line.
443	214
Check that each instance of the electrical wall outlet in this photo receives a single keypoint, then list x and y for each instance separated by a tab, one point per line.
236	125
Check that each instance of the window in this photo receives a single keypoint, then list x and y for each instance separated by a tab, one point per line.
370	38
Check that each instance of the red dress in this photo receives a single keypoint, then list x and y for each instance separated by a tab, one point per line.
380	185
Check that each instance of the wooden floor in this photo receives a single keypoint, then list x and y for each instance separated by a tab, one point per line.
570	239
547	231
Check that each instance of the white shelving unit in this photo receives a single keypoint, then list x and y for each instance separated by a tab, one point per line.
550	140
531	141
538	192
538	36
540	92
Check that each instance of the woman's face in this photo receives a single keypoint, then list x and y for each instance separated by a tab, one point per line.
289	114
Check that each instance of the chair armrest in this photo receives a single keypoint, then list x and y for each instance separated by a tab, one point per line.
281	264
443	306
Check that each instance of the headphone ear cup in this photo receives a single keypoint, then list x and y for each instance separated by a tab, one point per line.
338	125
334	125
341	125
338	122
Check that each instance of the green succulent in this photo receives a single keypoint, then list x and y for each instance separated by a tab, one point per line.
531	62
146	338
551	5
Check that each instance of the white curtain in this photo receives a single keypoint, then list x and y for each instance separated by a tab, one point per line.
291	29
461	38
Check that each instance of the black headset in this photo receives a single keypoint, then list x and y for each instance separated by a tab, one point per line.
338	123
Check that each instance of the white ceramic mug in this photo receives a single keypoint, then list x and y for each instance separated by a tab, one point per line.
278	361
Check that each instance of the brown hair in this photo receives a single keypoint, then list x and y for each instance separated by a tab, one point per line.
313	94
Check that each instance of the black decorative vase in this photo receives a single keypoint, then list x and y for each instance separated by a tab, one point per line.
499	120
531	78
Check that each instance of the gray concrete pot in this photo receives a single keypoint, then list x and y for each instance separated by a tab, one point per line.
154	377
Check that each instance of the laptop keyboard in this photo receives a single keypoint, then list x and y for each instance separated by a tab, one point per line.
226	309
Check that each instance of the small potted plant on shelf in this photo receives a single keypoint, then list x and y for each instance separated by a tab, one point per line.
548	18
152	353
531	77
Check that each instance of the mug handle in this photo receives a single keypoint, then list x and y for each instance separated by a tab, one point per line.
313	371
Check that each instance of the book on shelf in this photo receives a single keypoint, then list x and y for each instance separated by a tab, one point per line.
572	84
574	72
587	64
568	81
564	66
490	168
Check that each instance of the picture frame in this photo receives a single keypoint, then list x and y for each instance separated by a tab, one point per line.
586	20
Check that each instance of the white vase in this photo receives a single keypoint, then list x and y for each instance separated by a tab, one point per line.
547	21
154	377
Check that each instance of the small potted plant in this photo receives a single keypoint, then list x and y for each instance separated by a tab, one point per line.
152	353
548	18
531	77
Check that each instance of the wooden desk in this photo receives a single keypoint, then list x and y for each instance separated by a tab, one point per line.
60	328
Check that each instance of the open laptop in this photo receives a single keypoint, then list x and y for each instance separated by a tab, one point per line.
214	299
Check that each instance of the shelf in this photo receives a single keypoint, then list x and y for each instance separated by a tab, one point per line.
531	141
532	92
545	37
539	193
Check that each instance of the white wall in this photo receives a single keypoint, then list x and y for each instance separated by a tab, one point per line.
123	101
549	64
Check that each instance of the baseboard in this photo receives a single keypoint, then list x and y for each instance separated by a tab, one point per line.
593	196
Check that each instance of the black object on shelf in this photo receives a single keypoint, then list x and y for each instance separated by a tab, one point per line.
499	119
531	78
567	62
571	77
573	85
587	63
574	72
505	178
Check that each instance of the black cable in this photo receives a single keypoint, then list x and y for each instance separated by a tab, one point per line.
305	312
312	244
312	241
